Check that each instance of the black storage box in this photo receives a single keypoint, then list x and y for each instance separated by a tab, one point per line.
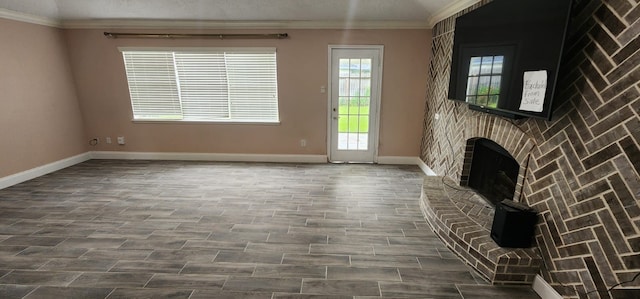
513	224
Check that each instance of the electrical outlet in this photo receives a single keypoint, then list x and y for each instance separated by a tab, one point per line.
107	140
121	140
303	143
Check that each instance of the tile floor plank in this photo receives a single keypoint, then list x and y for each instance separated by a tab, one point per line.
68	293
340	287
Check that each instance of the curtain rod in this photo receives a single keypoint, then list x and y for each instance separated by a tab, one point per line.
192	35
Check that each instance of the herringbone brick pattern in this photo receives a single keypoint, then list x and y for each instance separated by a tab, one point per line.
583	170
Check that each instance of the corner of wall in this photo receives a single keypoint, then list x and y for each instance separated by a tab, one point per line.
33	173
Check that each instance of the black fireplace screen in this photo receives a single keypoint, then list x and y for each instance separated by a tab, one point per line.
494	172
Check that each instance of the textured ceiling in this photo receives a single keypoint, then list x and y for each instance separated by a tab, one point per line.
232	10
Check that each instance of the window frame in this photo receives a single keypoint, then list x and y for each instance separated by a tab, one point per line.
204	50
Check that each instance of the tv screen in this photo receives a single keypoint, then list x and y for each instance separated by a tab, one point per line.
506	56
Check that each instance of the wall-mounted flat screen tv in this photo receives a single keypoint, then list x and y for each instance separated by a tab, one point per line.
506	56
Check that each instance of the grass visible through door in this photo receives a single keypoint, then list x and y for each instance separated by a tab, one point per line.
353	119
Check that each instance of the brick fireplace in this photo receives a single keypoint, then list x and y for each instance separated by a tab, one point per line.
462	218
580	169
502	132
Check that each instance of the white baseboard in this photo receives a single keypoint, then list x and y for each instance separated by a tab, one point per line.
544	289
426	169
391	160
398	160
33	173
210	157
109	155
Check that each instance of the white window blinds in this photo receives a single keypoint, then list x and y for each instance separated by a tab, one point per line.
215	85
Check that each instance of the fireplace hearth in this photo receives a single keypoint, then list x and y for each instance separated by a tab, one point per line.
463	224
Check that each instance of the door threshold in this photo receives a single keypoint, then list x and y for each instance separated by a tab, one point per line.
351	162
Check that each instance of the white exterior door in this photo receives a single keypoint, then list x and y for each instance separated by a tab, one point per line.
355	100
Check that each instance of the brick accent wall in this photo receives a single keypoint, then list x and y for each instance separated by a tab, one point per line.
583	170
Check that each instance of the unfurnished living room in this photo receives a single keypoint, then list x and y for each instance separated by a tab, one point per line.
320	149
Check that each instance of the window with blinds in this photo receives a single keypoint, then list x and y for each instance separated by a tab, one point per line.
226	85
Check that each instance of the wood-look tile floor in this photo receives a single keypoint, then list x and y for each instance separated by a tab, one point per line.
139	229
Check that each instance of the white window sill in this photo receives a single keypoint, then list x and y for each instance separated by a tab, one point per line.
203	122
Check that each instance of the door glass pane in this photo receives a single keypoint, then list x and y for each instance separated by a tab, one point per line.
366	68
354	88
344	67
353	123
364	106
344	87
363	124
365	88
355	68
343	125
354	106
355	98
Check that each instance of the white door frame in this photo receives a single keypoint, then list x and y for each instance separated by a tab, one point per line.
378	98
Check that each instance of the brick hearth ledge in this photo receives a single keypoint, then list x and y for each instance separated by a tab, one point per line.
463	222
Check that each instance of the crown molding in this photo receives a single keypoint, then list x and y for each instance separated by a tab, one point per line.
28	18
186	24
450	10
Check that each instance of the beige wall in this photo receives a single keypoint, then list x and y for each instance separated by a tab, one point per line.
302	70
40	120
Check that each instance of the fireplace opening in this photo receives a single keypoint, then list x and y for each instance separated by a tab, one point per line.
493	172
